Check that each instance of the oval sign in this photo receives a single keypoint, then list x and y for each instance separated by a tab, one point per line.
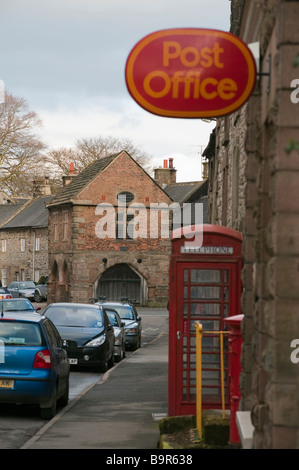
190	73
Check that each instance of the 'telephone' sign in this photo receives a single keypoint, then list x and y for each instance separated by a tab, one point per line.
190	73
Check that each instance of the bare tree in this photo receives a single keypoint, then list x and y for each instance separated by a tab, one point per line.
87	150
20	148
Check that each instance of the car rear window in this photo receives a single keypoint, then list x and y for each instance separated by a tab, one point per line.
124	312
20	333
72	316
16	305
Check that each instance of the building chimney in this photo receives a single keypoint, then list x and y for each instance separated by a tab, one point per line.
166	175
41	187
72	168
68	178
205	169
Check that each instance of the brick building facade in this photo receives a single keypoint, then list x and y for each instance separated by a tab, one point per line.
86	260
254	180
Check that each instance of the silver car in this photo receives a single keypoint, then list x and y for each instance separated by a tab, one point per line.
119	333
22	289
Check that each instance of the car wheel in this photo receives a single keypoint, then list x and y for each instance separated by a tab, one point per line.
122	354
103	368
63	401
111	361
49	413
37	297
137	344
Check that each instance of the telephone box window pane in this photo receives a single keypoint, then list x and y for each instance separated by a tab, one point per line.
185	310
185	292
201	292
205	309
205	276
207	325
186	279
226	293
192	359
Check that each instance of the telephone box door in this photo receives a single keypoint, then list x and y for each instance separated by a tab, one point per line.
205	289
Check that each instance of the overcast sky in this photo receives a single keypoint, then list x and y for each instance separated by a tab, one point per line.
67	59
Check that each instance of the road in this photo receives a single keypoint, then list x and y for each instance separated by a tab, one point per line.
20	423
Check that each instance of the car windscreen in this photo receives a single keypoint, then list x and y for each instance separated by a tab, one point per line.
26	285
75	316
126	313
16	305
14	333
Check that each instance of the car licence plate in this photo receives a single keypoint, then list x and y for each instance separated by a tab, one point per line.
73	361
4	383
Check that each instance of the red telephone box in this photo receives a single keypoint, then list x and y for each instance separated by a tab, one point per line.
204	285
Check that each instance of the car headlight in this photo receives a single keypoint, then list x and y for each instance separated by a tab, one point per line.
132	329
96	342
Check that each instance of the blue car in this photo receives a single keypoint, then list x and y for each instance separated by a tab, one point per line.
34	367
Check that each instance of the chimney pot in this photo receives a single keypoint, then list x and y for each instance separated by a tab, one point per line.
170	162
165	164
72	168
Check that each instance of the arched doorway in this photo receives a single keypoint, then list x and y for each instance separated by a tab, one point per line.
121	281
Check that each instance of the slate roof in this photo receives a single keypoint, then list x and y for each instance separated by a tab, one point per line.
177	192
8	210
182	192
34	215
79	182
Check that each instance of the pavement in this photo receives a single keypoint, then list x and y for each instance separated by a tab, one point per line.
121	411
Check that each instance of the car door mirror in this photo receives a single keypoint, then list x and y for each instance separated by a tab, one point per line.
138	318
122	323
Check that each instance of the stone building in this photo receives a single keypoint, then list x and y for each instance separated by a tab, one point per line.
82	264
254	181
107	236
24	240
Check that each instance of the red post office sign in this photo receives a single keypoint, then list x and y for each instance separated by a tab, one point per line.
190	73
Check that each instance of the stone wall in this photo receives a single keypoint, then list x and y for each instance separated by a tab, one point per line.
265	133
23	264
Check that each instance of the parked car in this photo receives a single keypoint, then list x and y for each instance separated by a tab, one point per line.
17	305
22	289
86	332
129	315
41	290
119	333
33	368
4	293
